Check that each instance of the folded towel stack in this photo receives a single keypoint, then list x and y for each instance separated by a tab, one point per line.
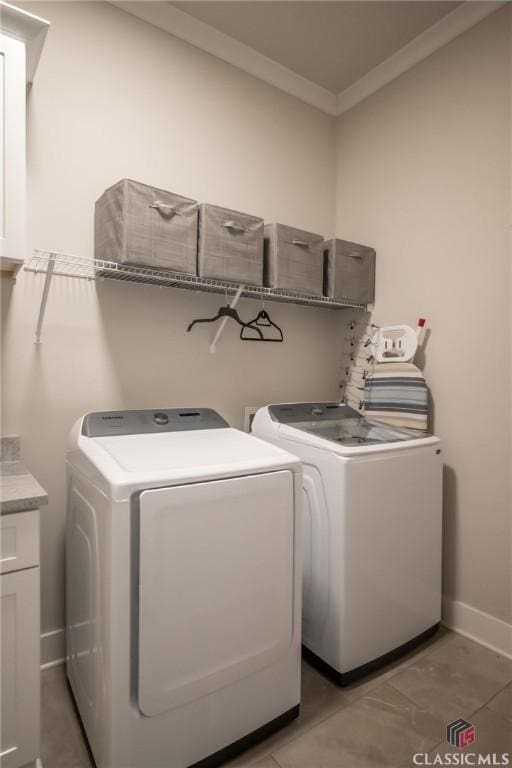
397	394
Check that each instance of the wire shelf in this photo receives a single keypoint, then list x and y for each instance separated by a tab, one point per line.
94	269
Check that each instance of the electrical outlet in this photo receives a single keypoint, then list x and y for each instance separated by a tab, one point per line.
249	412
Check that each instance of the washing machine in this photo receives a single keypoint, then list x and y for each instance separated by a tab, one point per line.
372	533
183	587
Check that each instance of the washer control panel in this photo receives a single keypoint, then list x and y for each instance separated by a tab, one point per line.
108	423
288	413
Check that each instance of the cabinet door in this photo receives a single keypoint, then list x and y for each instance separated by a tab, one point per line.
20	668
12	152
19	541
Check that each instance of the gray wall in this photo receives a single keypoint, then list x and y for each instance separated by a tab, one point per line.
420	169
424	174
115	97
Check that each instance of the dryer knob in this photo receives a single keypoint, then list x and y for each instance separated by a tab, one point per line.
317	411
160	418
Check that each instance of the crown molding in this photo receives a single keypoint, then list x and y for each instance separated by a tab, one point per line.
211	40
439	34
223	46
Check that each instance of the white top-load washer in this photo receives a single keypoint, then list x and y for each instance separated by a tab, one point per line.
184	560
372	533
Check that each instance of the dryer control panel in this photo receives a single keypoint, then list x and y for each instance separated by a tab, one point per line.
108	423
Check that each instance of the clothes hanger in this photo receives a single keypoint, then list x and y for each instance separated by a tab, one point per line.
227	311
262	319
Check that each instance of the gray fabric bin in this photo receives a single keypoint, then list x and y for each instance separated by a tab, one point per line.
145	226
230	245
350	271
293	260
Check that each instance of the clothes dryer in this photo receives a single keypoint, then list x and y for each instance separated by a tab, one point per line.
183	586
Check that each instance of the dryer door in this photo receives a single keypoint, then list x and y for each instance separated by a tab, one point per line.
216	585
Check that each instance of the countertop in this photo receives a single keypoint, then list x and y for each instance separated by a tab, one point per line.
19	490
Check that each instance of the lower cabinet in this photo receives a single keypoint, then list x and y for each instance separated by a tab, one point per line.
20	646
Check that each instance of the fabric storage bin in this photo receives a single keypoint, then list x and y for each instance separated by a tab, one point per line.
293	260
145	226
349	271
230	245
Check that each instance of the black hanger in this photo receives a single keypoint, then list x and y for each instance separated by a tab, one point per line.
228	311
261	319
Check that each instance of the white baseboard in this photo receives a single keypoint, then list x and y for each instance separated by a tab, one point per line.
53	648
481	627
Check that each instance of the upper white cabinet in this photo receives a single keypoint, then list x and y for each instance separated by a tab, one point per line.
12	154
21	40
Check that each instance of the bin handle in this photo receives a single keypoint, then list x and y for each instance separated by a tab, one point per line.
355	255
235	227
163	207
302	243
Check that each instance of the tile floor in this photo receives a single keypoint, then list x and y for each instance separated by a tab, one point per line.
379	723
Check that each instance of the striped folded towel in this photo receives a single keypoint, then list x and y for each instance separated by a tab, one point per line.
397	394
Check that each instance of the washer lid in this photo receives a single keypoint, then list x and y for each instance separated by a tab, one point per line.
356	432
340	424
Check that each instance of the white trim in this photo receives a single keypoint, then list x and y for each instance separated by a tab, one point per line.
485	629
53	648
225	47
442	32
28	28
